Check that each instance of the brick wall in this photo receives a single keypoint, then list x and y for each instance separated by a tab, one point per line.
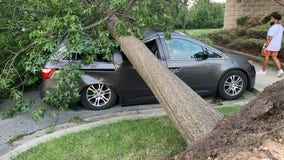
255	9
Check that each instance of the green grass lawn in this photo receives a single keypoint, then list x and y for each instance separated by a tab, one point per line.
199	32
153	138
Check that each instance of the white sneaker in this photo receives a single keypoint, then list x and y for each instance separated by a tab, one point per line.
261	72
280	73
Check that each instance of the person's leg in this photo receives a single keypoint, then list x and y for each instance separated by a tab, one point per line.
266	55
276	60
265	62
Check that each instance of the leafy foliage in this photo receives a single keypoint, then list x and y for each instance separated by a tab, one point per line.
66	88
30	32
206	14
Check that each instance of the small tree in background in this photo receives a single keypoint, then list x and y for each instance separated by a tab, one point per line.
183	18
206	14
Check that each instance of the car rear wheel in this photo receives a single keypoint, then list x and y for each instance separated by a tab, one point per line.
98	96
232	85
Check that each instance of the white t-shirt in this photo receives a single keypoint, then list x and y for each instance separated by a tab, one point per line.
276	31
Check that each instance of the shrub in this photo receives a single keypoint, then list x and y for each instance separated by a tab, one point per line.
223	37
240	32
251	46
247	42
241	21
256	33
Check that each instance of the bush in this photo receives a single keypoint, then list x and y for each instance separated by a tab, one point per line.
267	18
256	33
241	21
222	37
247	42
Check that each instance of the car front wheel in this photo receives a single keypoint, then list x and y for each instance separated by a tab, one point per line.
98	96
232	85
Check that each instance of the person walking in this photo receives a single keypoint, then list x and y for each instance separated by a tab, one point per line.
273	44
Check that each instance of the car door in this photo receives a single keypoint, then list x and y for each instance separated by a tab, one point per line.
133	88
190	62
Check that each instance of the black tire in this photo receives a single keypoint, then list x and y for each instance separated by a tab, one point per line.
232	85
98	96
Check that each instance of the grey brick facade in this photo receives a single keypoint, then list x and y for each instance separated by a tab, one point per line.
255	9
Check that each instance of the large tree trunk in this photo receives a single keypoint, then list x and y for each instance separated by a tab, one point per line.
192	116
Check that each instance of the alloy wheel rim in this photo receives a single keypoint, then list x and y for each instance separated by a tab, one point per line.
233	85
98	95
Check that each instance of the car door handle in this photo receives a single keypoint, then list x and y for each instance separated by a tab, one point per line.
175	70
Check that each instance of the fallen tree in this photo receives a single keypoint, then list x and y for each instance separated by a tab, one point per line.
191	115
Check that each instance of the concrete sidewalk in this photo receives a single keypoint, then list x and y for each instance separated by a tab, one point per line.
268	79
40	136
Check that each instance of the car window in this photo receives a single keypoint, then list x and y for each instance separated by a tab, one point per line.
73	56
85	58
212	54
153	47
183	49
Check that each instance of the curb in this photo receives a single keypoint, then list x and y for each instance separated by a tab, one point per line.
148	113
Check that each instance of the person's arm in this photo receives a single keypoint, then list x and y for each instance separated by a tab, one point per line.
268	39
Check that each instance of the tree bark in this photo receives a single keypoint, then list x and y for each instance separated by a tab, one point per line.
192	116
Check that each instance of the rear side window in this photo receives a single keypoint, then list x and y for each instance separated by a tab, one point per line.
85	58
152	46
74	57
183	49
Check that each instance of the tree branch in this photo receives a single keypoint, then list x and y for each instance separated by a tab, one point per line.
96	23
11	61
10	5
109	14
127	10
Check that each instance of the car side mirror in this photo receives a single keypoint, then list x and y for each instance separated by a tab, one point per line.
201	55
205	55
